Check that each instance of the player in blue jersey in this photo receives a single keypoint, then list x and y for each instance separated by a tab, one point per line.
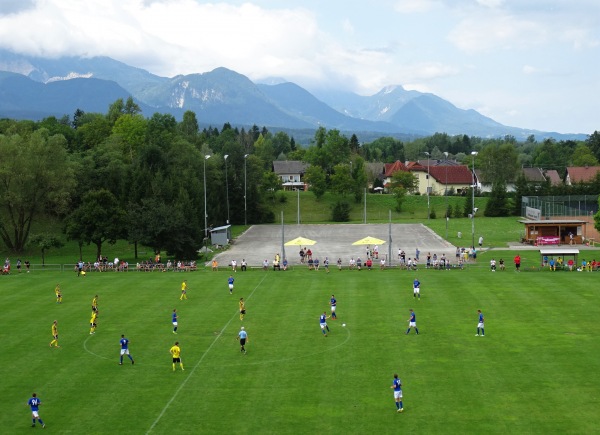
243	336
416	289
230	283
174	321
412	322
34	403
333	304
323	323
480	324
124	342
397	387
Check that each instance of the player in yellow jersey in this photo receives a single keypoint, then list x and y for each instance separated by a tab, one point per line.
54	334
94	321
58	294
242	308
95	304
176	352
183	290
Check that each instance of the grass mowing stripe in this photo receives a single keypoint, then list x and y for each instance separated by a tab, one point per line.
198	364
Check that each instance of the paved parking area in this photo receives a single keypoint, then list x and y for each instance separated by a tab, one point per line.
334	241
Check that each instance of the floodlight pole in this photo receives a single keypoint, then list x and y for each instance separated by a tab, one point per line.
206	157
245	191
428	208
298	217
227	187
473	154
446	193
365	212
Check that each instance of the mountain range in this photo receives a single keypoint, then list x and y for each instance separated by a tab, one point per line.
34	88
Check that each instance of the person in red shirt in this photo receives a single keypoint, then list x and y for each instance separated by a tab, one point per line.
517	261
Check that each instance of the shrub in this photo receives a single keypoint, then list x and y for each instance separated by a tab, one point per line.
340	212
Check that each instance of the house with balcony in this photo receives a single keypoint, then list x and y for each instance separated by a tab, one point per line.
291	173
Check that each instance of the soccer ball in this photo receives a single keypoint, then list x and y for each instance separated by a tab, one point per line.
343	324
83	273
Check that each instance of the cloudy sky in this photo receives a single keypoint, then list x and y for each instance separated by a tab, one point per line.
525	63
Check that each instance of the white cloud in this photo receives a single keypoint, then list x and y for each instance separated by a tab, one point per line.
460	50
493	4
496	31
414	6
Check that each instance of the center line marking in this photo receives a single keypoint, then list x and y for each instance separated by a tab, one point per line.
197	364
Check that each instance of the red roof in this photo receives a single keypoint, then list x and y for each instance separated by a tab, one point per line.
456	174
390	168
582	174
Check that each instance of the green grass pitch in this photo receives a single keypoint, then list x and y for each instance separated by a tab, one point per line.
537	370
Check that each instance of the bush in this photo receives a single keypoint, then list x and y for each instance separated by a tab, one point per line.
432	214
341	212
281	198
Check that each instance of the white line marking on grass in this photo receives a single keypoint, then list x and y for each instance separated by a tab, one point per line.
90	352
184	382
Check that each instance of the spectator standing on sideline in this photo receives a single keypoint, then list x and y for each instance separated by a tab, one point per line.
517	261
34	403
397	387
244	265
480	241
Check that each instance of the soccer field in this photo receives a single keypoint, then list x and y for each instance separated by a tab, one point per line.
537	370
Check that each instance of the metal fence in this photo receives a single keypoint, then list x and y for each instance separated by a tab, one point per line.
568	205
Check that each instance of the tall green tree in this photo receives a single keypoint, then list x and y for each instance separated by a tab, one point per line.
341	179
498	162
45	241
583	156
317	179
35	178
97	220
497	205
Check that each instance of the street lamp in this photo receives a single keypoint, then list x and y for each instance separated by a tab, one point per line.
226	187
206	157
245	191
473	209
446	193
428	210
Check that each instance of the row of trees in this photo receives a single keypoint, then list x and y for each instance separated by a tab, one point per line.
120	175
